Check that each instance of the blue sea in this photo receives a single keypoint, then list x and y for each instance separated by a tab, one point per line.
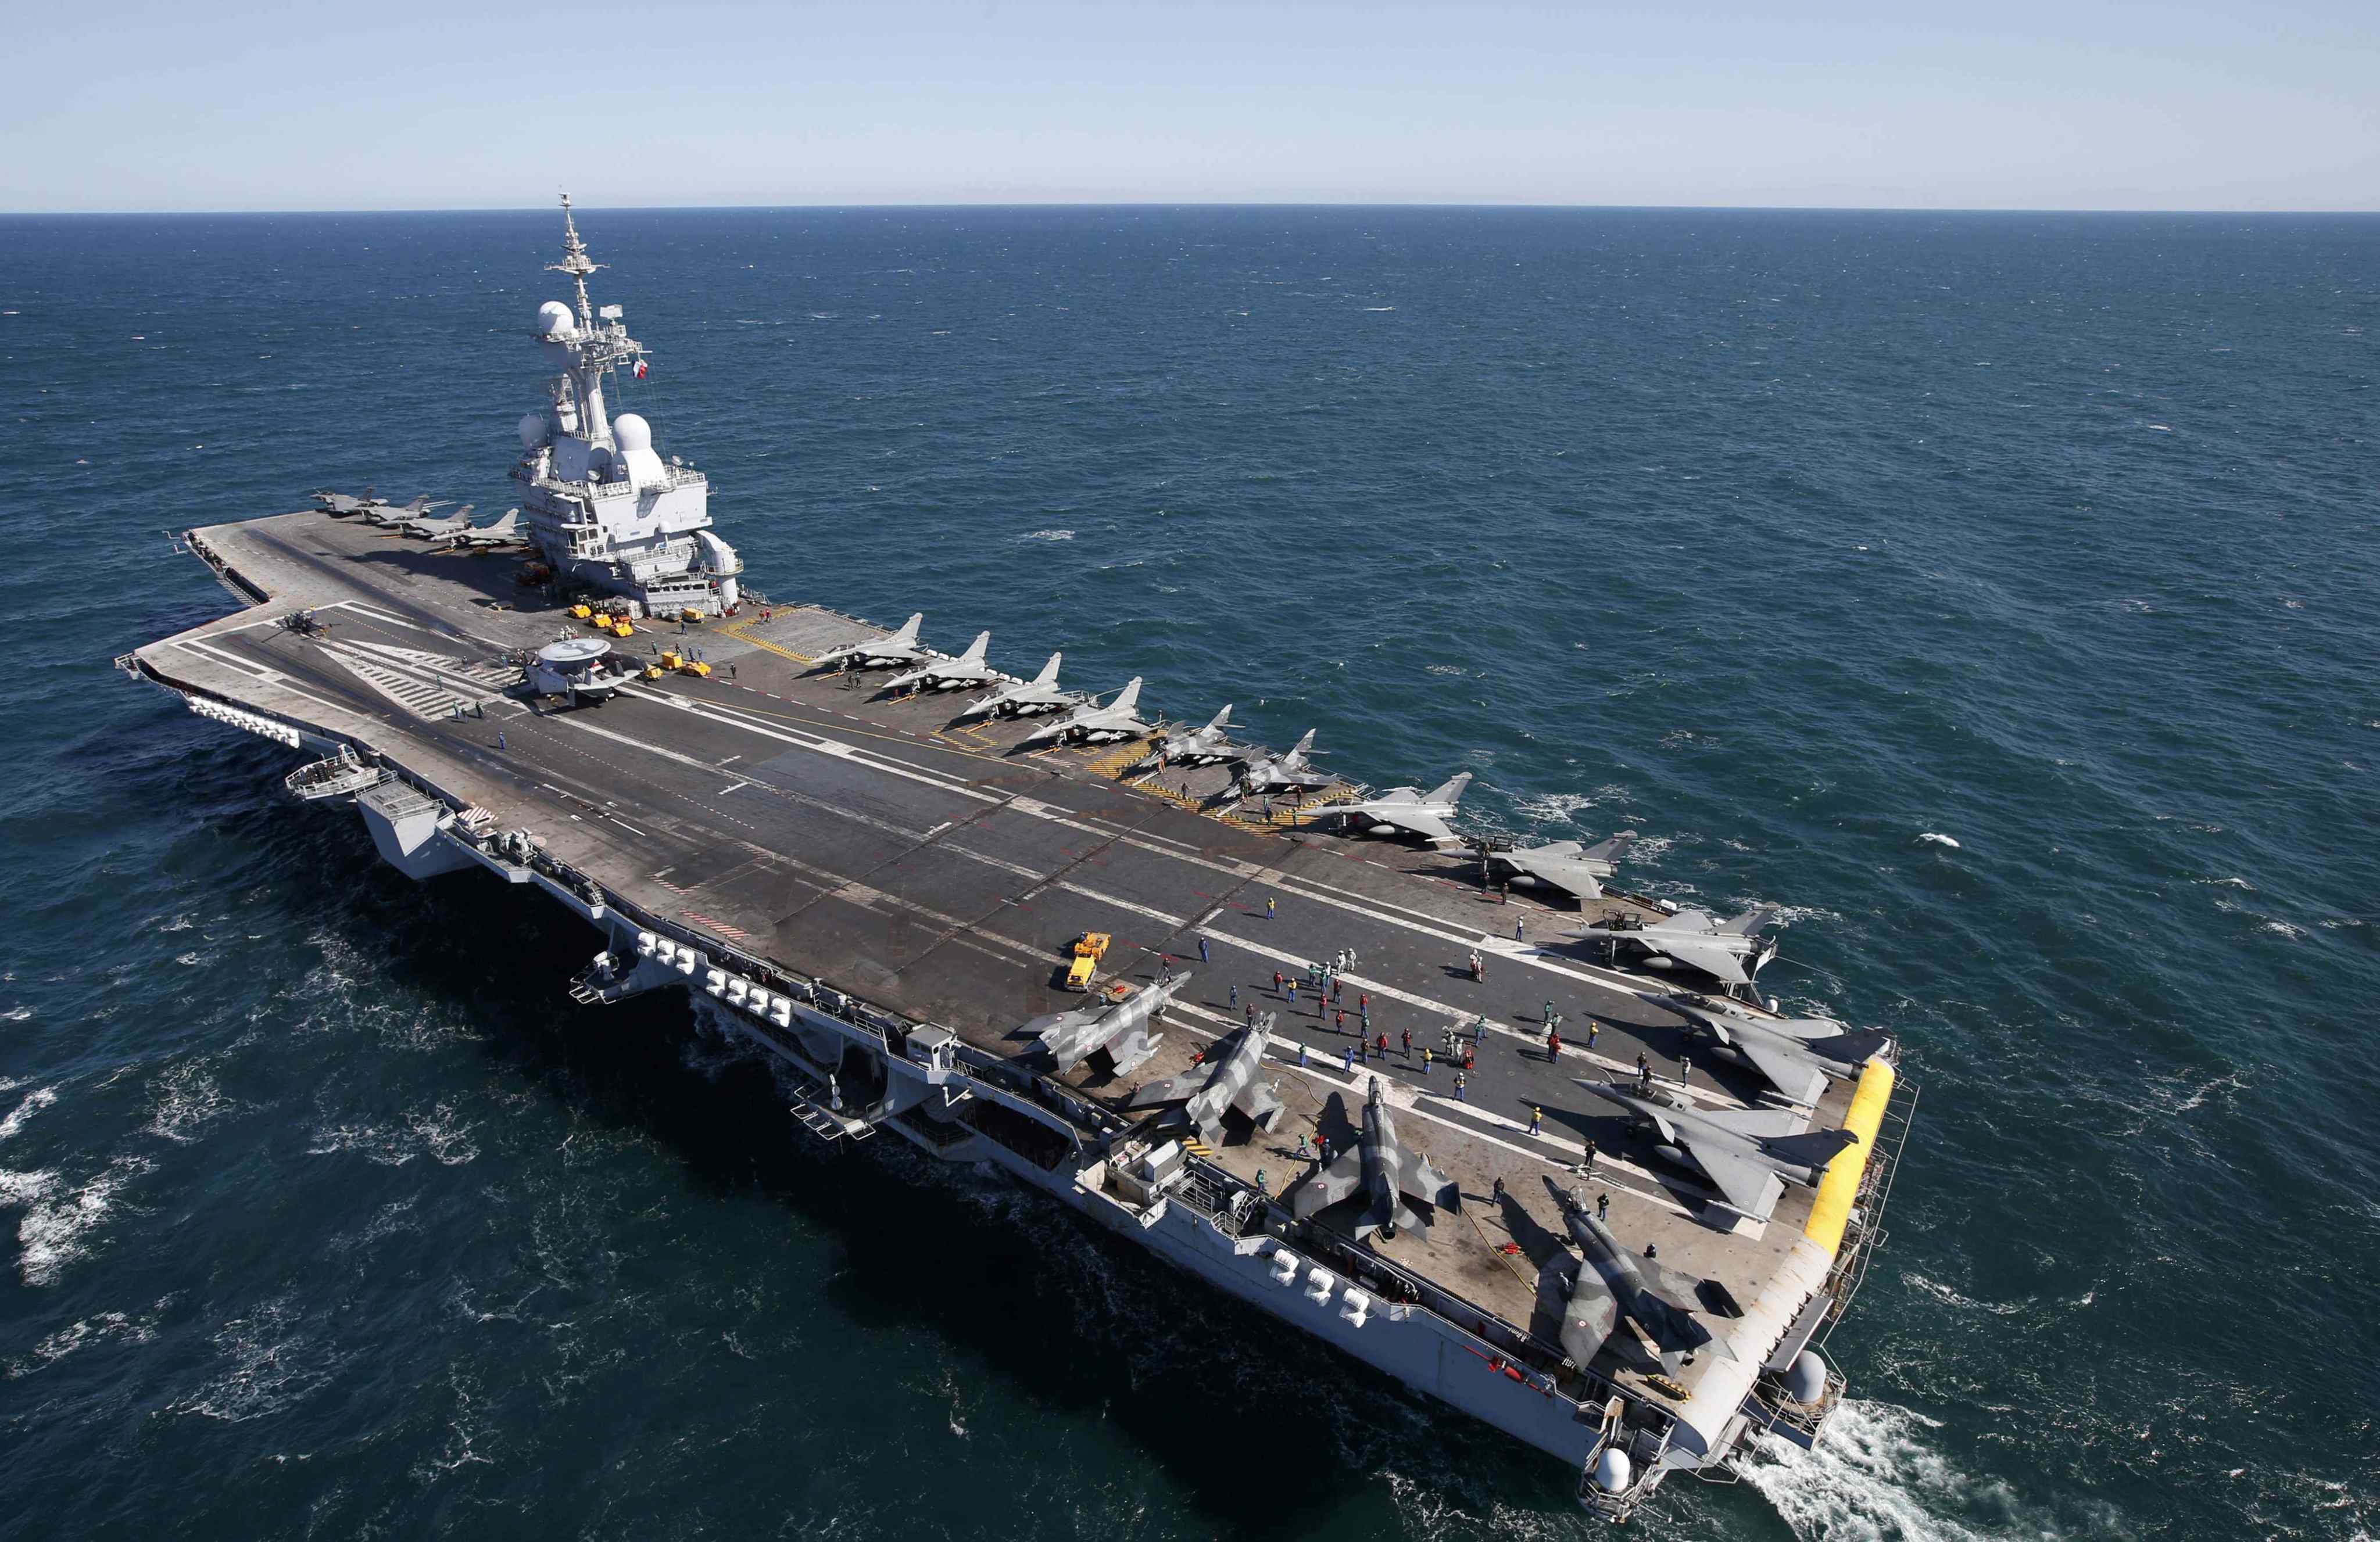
1998	592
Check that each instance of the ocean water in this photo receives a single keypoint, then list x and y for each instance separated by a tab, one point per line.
1997	591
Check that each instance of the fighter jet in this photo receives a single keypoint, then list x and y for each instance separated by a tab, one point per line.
1404	810
427	528
380	511
878	653
1208	746
339	505
1795	1054
1727	950
1120	1030
504	531
1041	693
1388	1175
948	674
1615	1286
1231	1081
1749	1154
1576	870
1289	773
1090	724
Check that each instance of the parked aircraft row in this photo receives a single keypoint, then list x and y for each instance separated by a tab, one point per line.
455	531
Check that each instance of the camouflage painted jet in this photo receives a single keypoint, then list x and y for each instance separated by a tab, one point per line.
1385	1172
1614	1286
1233	1082
1122	1029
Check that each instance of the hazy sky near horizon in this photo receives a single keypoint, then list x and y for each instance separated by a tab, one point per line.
199	105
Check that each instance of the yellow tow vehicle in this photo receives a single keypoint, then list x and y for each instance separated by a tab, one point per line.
1089	949
581	612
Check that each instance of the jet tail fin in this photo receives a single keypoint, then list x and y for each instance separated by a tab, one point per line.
1129	697
1610	850
908	632
976	649
1218	722
1751	920
1049	675
1449	791
1300	750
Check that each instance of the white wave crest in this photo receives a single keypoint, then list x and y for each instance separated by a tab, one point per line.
1873	1475
186	1098
55	1232
1047	536
32	1103
1938	838
1548	808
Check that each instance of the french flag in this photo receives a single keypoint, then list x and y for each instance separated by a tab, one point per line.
641	369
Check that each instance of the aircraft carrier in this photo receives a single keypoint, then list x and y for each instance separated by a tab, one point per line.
1223	1028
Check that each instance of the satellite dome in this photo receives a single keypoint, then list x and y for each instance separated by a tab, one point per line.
630	432
533	429
554	320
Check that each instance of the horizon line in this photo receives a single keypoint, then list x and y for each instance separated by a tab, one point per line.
920	205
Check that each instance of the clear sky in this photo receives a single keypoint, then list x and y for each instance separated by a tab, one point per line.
1991	104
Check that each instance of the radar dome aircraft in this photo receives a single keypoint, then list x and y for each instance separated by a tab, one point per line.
1402	811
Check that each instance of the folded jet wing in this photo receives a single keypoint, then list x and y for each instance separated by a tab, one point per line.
888	652
1233	1082
1402	811
1386	1172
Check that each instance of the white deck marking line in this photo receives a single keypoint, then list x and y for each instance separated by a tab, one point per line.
728	717
733	786
273	677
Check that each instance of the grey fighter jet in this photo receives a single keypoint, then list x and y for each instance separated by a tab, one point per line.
1402	811
1290	773
504	530
1795	1054
1615	1286
1388	1175
380	511
1208	746
949	674
1122	1029
1233	1081
428	529
1749	1154
888	651
1576	870
339	505
1092	724
1727	950
1024	698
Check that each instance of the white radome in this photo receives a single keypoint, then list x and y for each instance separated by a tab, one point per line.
631	432
554	320
533	429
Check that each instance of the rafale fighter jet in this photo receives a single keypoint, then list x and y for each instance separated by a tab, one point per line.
1234	1082
1090	724
1208	746
1749	1154
1402	811
430	529
1726	950
1795	1054
339	505
1388	1175
1289	773
1614	1286
504	530
949	674
378	510
1576	870
1120	1030
1023	698
878	653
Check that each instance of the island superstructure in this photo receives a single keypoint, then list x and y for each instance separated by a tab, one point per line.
892	894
